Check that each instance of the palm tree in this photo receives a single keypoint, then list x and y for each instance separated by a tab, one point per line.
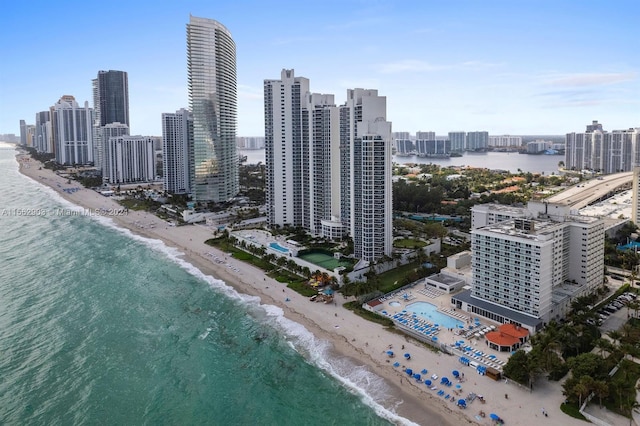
603	345
601	389
580	390
615	336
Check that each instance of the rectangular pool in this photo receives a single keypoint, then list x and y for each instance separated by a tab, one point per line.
431	314
278	247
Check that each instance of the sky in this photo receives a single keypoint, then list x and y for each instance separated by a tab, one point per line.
526	67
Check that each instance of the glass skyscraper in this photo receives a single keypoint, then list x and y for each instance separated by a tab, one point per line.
211	63
113	97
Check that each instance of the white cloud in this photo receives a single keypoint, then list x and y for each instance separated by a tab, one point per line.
416	65
595	79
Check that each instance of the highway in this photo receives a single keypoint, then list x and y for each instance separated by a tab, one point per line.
587	192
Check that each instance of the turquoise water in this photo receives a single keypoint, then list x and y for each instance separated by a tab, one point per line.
98	326
430	313
278	247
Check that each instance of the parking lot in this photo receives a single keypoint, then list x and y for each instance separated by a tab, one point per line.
616	319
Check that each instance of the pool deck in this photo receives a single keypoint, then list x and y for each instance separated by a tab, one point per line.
462	342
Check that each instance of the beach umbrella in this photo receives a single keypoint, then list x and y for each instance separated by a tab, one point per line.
458	386
455	373
407	355
417	376
434	338
462	402
396	364
424	371
390	353
427	382
444	380
494	416
409	371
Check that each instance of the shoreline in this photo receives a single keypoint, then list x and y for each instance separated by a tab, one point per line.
350	336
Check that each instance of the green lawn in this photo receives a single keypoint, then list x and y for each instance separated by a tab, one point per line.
409	243
394	278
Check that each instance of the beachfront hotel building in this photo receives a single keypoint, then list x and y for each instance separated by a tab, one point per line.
72	130
177	131
130	159
527	270
602	151
211	64
328	168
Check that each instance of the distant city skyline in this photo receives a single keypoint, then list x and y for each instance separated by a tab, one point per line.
496	66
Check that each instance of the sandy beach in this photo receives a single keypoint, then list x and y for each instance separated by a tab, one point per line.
350	335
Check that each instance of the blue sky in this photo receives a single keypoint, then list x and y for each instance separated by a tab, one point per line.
508	67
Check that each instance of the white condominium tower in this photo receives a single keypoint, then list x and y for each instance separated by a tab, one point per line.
302	140
365	162
106	132
130	159
284	101
328	168
71	126
177	131
602	151
211	63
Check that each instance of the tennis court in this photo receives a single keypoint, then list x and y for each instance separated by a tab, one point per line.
324	260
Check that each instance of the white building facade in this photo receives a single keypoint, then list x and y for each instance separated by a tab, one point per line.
366	168
71	126
111	130
533	268
130	159
602	151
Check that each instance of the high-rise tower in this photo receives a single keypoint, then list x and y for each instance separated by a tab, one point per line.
366	169
211	63
177	130
110	105
113	97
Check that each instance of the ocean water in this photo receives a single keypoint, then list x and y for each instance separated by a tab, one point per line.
99	326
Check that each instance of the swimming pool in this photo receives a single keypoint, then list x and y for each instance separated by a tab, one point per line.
431	314
278	247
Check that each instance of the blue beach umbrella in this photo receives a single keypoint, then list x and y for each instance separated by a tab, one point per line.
494	416
390	353
424	371
407	355
455	373
396	364
409	371
417	376
427	382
